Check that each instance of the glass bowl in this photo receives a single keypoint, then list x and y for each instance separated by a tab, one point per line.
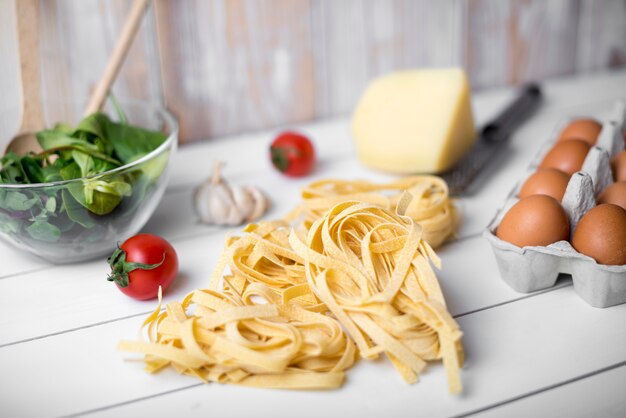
52	221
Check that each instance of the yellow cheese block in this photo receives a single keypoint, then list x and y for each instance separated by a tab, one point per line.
417	121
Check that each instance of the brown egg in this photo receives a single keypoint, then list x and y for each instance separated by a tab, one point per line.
615	194
534	220
618	165
548	181
567	156
587	130
601	234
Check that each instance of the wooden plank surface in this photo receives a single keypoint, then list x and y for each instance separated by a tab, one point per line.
509	42
227	67
231	66
601	40
77	39
577	398
356	41
524	352
10	113
511	349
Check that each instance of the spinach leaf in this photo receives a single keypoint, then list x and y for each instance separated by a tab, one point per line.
44	231
8	224
18	201
75	211
93	124
84	162
96	145
51	204
32	169
99	196
131	142
12	171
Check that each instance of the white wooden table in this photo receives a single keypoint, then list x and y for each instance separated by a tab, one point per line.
546	353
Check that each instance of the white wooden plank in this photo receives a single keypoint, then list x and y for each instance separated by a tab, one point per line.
579	398
192	164
511	350
10	113
601	37
509	42
356	41
174	217
507	351
79	295
233	66
592	95
77	38
84	297
245	157
333	138
16	261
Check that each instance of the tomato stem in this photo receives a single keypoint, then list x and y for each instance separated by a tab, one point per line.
279	158
120	268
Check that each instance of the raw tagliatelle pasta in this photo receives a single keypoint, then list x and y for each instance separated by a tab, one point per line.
431	205
294	307
370	267
267	345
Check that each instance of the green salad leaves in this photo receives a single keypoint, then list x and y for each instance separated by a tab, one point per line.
97	145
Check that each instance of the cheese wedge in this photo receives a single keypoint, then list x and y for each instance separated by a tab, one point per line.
417	121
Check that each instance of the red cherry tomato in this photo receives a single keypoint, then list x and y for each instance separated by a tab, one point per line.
142	264
293	154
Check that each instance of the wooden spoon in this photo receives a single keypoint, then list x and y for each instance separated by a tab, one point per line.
32	119
117	56
28	45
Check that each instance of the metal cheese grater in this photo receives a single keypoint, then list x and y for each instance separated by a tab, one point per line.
491	138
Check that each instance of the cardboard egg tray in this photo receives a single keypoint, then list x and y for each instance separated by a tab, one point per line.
530	269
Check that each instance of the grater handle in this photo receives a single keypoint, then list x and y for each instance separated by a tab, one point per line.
526	103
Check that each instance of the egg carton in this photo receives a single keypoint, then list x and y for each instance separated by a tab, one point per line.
533	268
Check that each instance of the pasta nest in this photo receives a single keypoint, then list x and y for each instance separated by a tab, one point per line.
294	307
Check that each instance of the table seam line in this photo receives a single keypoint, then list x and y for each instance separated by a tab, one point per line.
507	302
200	235
24	272
543	389
67	331
131	401
467	414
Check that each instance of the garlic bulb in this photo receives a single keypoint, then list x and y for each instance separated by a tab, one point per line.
217	202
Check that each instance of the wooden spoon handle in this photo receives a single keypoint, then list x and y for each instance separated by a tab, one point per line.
117	56
28	43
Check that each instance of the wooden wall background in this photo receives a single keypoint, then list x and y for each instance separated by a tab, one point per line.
229	66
